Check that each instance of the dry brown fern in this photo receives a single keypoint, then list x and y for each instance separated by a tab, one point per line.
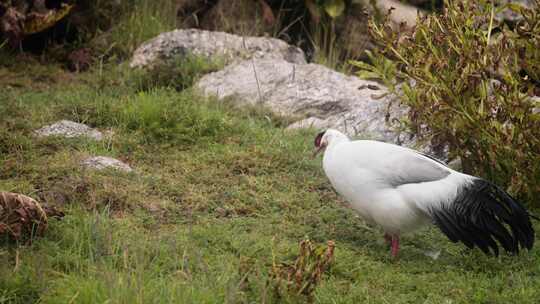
22	217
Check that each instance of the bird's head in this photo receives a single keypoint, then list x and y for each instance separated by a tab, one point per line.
320	143
325	138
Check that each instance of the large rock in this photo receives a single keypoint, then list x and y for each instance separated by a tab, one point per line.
216	45
316	95
69	129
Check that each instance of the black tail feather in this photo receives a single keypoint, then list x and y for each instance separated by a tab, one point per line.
485	216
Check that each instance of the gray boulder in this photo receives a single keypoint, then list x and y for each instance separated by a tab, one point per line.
316	95
216	45
103	162
69	129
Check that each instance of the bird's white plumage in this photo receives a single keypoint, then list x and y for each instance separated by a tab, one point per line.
388	185
401	190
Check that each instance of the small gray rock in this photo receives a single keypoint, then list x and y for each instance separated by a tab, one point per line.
69	129
214	45
103	162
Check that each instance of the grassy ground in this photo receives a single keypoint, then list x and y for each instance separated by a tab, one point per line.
218	196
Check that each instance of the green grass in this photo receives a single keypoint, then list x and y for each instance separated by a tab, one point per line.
219	193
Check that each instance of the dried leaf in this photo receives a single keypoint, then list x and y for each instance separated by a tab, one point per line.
22	217
303	276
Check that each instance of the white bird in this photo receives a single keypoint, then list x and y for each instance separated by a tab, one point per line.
401	190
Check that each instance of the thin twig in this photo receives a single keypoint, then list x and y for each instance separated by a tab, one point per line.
254	72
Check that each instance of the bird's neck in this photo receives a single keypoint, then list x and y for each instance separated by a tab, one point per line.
337	139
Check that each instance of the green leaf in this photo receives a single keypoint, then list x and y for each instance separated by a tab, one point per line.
362	65
368	75
334	8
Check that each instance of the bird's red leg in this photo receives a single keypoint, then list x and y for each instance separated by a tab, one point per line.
395	246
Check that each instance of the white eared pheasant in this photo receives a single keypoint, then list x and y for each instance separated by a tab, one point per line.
401	190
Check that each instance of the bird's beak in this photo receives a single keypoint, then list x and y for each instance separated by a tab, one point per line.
319	149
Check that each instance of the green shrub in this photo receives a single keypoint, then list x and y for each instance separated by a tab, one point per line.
470	89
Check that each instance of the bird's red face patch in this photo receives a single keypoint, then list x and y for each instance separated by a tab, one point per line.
318	139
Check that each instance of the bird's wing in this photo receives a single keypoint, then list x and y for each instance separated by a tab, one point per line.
396	166
414	169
